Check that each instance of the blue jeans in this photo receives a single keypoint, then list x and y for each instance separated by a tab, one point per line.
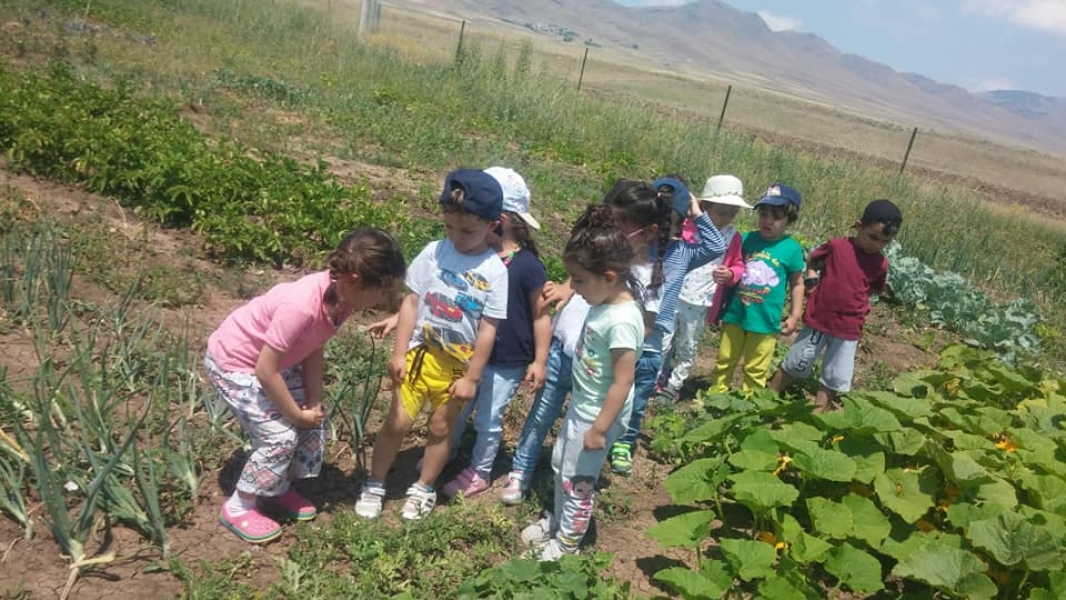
643	387
498	386
546	408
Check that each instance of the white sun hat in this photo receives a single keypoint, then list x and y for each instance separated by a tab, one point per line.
515	193
724	189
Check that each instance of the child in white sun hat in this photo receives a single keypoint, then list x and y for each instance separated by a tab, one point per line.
700	300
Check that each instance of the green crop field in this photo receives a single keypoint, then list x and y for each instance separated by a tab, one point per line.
165	159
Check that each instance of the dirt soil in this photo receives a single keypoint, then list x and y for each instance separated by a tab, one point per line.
34	568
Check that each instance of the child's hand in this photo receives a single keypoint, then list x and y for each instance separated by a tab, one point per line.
310	417
383	327
462	390
789	326
694	208
535	375
594	440
555	293
397	367
722	275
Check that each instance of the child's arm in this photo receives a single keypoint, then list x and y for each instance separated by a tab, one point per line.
314	374
732	268
624	365
711	245
542	338
557	293
465	387
405	328
795	283
268	371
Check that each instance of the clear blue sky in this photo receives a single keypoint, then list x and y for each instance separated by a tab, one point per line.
977	44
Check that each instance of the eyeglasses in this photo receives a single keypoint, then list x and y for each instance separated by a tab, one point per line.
636	232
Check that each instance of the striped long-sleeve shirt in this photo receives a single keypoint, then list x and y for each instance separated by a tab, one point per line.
679	258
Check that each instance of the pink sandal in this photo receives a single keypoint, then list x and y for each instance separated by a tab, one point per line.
467	482
252	526
292	504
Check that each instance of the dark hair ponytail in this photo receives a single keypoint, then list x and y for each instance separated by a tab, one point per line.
371	253
522	233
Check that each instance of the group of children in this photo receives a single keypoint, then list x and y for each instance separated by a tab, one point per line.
648	267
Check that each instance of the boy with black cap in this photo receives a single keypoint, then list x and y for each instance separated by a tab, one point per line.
445	331
773	271
851	268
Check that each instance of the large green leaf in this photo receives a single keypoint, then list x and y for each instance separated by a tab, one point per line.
779	588
712	430
762	439
914	385
863	417
869	524
903	407
754	460
868	457
690	584
960	467
917	540
961	514
1054	523
830	518
1047	491
750	559
802	546
907	442
999	492
1011	539
941	566
687	530
856	569
904	492
761	491
797	431
830	465
696	481
719	572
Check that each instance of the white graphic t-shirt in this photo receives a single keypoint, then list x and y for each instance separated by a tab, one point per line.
454	290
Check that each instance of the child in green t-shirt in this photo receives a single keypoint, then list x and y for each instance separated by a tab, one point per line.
773	267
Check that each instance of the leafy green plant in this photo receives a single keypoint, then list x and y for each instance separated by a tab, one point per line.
950	484
572	577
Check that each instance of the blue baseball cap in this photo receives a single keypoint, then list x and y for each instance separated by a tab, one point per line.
779	194
681	193
482	194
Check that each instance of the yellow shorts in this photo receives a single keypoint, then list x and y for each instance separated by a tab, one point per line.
428	383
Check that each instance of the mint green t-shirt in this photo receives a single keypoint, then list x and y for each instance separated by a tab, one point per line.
607	327
759	298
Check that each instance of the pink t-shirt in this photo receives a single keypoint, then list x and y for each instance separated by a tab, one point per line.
290	318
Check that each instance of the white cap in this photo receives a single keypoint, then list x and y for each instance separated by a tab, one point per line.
515	193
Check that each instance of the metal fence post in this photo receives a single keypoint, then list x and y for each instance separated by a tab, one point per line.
721	116
907	155
459	46
582	75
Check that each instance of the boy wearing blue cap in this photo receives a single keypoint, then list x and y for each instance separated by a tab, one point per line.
773	268
445	331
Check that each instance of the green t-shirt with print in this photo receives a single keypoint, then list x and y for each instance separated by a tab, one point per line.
607	327
759	297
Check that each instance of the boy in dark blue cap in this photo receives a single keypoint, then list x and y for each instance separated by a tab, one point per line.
445	331
773	268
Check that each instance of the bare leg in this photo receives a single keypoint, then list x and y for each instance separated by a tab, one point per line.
389	439
438	441
780	381
825	400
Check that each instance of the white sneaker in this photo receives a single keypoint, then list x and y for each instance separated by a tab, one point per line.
552	551
370	500
539	532
514	490
420	502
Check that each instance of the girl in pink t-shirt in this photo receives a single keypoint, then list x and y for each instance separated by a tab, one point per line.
266	361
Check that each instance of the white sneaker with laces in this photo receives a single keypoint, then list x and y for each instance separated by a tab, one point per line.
514	490
370	500
539	532
420	502
552	551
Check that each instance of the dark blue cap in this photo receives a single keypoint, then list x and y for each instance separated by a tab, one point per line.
779	194
681	194
482	194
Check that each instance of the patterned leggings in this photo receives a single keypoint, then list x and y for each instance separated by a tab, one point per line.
280	451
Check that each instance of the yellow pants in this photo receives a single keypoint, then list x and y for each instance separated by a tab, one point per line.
429	375
757	349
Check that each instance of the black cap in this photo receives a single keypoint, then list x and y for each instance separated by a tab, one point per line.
882	211
482	194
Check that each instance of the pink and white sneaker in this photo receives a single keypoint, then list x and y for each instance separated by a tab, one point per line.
467	482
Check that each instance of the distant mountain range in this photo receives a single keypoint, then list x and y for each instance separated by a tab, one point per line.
709	36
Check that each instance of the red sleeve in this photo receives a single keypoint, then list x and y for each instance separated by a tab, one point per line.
878	284
734	259
821	252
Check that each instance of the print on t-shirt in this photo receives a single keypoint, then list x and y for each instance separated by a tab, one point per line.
759	278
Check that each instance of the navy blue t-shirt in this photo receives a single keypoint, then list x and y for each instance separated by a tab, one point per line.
514	335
